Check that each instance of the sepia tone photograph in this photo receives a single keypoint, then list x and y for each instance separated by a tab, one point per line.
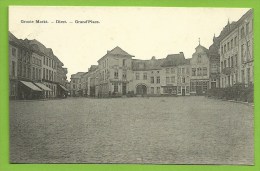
131	85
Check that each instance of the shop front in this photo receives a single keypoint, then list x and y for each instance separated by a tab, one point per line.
28	91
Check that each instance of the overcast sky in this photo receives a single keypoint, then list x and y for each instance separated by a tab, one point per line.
142	32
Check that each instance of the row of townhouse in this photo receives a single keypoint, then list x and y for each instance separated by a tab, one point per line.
34	71
236	53
118	74
228	61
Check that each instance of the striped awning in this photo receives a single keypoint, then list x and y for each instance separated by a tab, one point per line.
64	88
31	85
44	87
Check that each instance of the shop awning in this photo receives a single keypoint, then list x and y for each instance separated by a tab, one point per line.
64	88
44	87
31	85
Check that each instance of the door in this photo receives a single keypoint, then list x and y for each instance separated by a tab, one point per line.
124	88
199	90
183	92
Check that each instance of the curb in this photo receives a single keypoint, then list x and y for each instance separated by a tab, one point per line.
234	101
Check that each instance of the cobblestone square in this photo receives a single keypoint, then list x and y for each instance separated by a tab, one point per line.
155	130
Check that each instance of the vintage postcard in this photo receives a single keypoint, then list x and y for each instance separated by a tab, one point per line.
133	85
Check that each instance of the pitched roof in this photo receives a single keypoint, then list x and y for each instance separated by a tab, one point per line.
117	51
174	60
92	68
144	65
213	49
77	75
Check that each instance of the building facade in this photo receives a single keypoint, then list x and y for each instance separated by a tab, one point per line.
199	64
228	61
33	70
236	53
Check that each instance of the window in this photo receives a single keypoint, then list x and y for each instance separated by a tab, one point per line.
158	72
13	69
124	75
36	73
124	62
173	70
179	70
188	89
204	86
248	76
228	46
235	40
24	71
232	61
158	80
243	76
225	48
39	77
247	28
221	65
183	70
14	52
232	41
152	80
137	76
179	79
116	74
187	70
145	76
225	63
199	58
172	79
183	79
43	73
236	60
228	61
28	72
199	72
242	53
221	49
193	86
158	90
248	46
242	32
193	71
167	70
179	89
205	71
33	73
47	74
167	80
115	87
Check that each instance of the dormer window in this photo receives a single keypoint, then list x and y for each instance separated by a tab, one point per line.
124	62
